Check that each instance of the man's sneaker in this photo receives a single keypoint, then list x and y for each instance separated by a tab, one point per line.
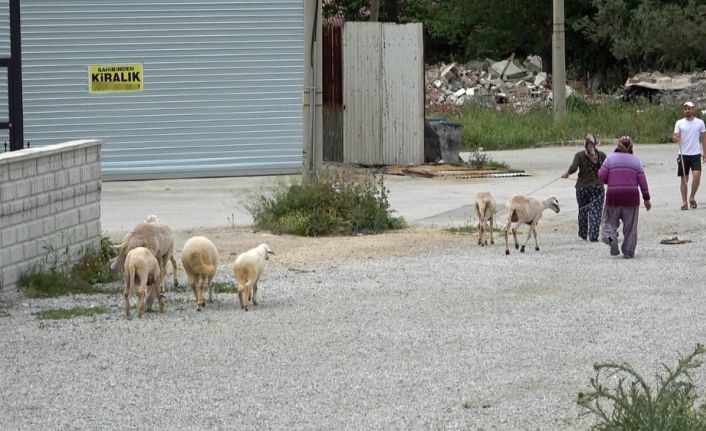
614	249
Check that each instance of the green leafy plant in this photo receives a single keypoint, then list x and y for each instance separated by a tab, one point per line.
632	404
328	205
481	160
59	273
68	313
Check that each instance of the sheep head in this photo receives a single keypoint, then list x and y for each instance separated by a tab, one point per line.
552	203
265	251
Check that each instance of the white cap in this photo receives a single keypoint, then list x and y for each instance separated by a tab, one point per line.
689	104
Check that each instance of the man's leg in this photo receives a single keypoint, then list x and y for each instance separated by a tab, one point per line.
696	180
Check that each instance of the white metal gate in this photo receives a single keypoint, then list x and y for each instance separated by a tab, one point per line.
383	93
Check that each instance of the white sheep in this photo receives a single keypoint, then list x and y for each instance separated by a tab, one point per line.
485	216
158	239
142	274
200	260
154	219
527	210
248	270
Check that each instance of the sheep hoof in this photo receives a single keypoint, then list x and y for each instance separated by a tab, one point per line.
522	249
536	248
517	247
492	242
507	252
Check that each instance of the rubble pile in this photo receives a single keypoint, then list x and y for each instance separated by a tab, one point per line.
488	82
668	88
524	86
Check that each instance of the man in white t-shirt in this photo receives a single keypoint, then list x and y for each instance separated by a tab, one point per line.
690	134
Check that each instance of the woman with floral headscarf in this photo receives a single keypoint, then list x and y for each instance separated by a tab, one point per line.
626	180
589	189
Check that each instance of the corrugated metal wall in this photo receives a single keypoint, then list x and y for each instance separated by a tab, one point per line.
223	83
383	93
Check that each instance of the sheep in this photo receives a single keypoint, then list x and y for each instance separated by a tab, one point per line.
154	219
485	216
199	258
248	269
527	210
158	239
142	274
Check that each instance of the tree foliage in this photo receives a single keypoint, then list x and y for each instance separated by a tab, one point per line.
607	36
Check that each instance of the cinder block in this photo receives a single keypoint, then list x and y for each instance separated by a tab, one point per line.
49	224
43	165
7	192
22	232
15	171
93	229
35	228
67	219
80	156
31	249
4	257
75	175
90	212
17	253
29	168
29	204
9	236
67	159
80	233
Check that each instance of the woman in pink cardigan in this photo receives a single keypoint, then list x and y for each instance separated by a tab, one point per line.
625	178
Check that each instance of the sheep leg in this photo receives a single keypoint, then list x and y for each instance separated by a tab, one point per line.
140	291
210	290
514	236
534	232
194	288
127	292
200	300
254	294
492	241
505	232
529	235
174	270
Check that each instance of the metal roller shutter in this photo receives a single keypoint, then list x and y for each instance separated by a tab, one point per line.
223	83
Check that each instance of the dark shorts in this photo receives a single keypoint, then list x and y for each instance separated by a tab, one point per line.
691	163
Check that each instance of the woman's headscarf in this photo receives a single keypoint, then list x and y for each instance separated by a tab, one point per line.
624	145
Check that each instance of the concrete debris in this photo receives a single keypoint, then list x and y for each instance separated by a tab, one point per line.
493	83
667	88
488	83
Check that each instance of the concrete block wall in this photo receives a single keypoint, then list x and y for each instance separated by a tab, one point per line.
49	199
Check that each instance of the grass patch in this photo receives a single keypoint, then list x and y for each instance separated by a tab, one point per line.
327	205
59	273
505	129
621	399
69	313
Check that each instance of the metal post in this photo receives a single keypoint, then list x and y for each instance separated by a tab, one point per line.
313	114
14	75
558	63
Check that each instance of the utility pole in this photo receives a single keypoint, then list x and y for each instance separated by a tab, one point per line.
312	97
558	62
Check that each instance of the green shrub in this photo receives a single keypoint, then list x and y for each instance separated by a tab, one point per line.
328	205
633	405
57	274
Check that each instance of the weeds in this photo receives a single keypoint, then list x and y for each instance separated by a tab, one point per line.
633	405
68	313
480	160
57	276
329	205
505	129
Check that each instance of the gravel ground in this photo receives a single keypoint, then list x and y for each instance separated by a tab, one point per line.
441	337
414	330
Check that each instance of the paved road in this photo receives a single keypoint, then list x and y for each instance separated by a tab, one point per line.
221	202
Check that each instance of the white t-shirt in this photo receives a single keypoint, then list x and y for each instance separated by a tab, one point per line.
690	132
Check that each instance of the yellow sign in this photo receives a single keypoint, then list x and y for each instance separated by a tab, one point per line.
114	78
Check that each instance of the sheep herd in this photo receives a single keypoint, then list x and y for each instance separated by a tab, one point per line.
143	257
146	249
